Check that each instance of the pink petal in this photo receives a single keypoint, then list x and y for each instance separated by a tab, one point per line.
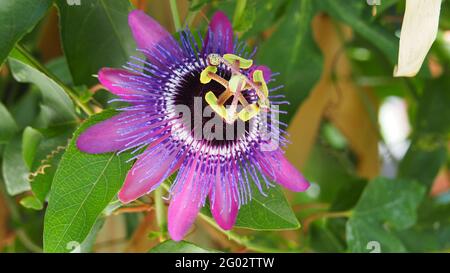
148	33
146	175
119	132
117	81
278	168
185	204
224	207
267	73
103	137
220	27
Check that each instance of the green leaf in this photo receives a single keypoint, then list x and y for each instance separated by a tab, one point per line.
31	139
271	212
31	202
423	161
170	246
323	239
57	108
385	205
8	126
16	19
87	245
60	69
429	143
292	52
14	168
434	103
333	172
42	182
83	186
103	39
433	228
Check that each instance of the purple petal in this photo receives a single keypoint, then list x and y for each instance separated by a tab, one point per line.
185	204
146	175
148	33
278	168
221	32
104	136
224	207
117	82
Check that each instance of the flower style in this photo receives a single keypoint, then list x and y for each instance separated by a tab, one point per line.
216	72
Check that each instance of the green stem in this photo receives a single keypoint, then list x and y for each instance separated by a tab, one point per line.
72	94
27	242
192	14
160	213
175	15
238	11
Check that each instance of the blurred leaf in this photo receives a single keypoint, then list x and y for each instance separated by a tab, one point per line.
170	246
384	205
331	171
355	13
266	15
26	109
433	116
31	202
432	231
57	108
423	162
323	239
16	19
292	52
244	15
103	39
348	194
432	128
42	182
54	140
14	168
30	142
60	69
8	126
83	186
269	212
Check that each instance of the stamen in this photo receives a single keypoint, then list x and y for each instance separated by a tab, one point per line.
212	101
234	87
206	73
243	63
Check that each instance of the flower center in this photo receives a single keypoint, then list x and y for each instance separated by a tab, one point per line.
234	87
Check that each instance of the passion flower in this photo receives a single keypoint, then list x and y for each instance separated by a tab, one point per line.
215	73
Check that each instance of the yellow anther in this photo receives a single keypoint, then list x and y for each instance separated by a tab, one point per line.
237	82
248	112
211	99
204	76
258	77
214	59
243	63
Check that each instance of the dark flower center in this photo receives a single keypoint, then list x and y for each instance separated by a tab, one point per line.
214	129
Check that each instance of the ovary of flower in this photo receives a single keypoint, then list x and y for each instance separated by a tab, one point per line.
234	87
